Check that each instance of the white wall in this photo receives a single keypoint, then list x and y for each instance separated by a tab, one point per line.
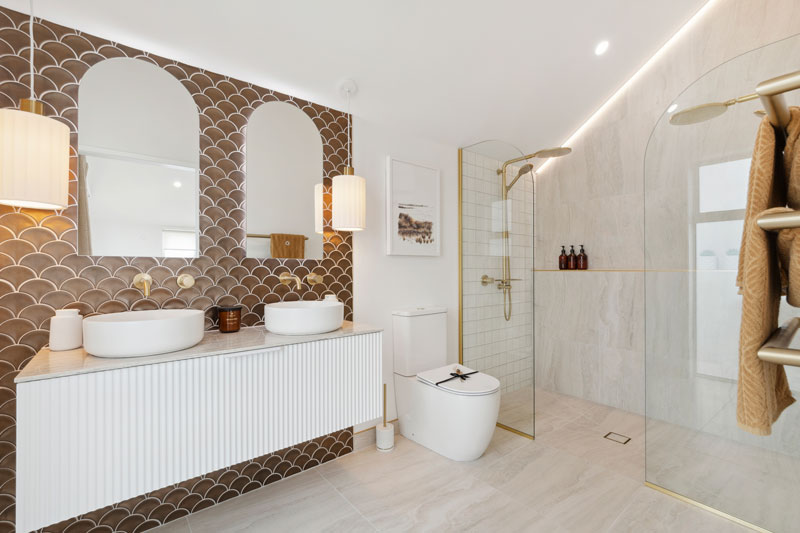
383	283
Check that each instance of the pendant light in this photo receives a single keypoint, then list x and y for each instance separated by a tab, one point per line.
34	153
349	190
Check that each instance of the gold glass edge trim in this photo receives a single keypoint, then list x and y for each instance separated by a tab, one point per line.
460	266
516	431
461	288
705	507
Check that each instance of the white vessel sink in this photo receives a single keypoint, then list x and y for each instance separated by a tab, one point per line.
139	333
303	318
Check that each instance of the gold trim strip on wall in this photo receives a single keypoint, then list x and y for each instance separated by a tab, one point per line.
665	270
705	507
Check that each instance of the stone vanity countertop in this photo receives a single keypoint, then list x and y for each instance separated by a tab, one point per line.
48	365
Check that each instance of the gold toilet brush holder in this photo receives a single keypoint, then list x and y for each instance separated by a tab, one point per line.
384	433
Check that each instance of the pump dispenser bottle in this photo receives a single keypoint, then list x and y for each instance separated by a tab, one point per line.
572	259
562	259
583	260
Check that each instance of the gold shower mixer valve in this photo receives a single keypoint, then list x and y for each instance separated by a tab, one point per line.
501	283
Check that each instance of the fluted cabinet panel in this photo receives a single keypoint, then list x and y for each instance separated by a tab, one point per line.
90	440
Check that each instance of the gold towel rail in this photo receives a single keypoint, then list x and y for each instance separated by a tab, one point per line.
779	221
771	94
264	236
778	348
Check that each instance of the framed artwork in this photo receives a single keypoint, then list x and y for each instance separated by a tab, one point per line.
413	210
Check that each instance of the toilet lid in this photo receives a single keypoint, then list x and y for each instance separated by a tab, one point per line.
474	385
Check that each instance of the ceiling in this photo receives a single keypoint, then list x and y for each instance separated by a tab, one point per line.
455	71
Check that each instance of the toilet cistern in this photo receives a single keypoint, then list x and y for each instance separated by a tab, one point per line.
450	409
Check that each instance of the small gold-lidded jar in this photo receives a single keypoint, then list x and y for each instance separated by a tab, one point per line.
230	318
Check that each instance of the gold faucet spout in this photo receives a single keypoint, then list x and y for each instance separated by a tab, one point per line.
286	278
143	282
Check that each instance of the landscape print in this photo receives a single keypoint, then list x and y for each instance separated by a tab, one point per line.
412	209
414	229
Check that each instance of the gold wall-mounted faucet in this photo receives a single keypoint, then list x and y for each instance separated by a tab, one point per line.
185	281
287	278
313	278
143	281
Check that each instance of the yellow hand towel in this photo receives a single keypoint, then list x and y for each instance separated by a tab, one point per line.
287	246
763	389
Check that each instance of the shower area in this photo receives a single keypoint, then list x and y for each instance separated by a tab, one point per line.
497	278
696	175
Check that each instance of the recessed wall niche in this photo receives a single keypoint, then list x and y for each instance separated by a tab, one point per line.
41	270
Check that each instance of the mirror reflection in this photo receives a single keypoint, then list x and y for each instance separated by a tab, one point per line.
138	164
284	167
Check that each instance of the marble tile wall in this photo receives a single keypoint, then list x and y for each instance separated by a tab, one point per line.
491	344
595	196
40	270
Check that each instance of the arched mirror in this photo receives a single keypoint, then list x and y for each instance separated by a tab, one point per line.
284	167
138	146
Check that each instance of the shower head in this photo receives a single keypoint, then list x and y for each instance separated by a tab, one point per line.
699	113
553	152
524	169
704	112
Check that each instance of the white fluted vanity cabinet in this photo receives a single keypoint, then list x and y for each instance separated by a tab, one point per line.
92	432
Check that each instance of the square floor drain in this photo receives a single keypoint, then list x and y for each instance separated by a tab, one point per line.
616	437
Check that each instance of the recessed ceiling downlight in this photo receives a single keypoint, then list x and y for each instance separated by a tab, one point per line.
672	108
177	184
601	48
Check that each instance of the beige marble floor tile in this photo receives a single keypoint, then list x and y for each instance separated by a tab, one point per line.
570	480
180	525
413	488
303	502
652	511
564	488
584	437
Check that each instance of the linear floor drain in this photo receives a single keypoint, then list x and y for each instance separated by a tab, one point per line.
616	437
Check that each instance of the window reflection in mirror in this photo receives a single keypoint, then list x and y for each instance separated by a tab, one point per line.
138	166
284	163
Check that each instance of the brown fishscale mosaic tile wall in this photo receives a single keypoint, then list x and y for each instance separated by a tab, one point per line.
40	270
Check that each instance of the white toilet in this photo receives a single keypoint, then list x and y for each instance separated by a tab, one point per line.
455	418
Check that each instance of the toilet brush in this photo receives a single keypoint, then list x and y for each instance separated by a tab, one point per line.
384	433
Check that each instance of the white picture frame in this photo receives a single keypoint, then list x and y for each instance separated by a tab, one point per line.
413	209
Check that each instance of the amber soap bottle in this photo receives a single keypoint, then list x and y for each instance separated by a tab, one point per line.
562	259
583	260
572	259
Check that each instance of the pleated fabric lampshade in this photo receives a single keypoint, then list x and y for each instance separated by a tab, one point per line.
34	160
349	202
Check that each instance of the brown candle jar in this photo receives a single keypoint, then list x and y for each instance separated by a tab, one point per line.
230	318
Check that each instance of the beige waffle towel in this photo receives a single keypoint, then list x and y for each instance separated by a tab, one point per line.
767	263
